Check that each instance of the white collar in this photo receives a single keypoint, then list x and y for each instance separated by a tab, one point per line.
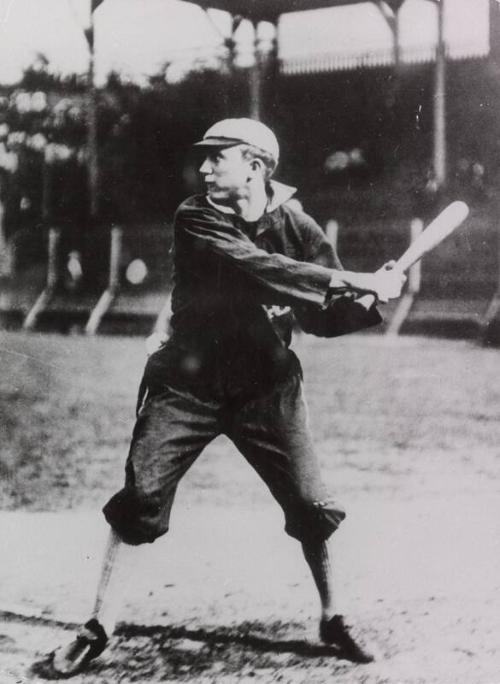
280	193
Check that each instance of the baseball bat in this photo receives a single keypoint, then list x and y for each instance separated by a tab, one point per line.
443	225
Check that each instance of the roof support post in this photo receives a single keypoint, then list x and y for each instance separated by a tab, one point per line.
263	73
391	15
494	17
92	151
230	43
390	11
272	65
255	77
439	127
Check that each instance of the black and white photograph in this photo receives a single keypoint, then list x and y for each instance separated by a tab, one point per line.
250	341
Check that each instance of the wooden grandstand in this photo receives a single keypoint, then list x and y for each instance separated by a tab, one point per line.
40	298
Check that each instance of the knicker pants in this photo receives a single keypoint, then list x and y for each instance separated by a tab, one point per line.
173	427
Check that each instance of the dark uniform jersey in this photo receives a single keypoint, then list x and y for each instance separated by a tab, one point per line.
239	288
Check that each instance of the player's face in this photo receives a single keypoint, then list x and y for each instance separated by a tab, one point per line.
226	174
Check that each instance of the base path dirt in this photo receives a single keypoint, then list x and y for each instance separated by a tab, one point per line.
227	598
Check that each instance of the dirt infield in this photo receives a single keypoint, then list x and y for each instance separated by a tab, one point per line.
408	435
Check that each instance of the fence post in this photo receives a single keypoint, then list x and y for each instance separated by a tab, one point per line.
51	281
115	257
107	297
52	256
489	326
405	304
332	232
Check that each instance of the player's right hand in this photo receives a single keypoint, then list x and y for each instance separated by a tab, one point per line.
155	341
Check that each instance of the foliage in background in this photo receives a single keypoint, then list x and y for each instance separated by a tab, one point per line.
145	133
358	144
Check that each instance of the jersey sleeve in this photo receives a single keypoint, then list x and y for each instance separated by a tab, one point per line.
340	313
272	278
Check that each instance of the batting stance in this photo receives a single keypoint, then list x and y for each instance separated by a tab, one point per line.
246	266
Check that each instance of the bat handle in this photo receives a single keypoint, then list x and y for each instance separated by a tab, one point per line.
392	265
402	265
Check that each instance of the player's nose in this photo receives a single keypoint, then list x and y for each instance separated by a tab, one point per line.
206	167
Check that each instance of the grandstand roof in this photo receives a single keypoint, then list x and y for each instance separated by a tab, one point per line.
270	10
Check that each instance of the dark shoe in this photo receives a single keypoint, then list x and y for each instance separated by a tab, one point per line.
69	660
336	633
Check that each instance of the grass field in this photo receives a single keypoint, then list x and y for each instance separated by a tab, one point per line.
407	433
380	412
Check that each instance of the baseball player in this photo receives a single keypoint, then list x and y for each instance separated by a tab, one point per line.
247	266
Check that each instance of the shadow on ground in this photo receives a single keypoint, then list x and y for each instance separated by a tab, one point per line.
176	652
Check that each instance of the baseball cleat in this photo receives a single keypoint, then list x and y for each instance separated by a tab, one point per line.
335	632
72	659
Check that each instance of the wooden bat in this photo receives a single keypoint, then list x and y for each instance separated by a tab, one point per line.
443	225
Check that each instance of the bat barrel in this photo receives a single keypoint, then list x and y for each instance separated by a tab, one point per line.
442	226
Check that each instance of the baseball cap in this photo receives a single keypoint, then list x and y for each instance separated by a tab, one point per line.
229	132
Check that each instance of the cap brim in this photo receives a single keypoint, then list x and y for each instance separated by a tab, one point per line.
218	142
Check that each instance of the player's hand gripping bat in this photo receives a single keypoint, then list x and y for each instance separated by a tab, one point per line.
390	277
